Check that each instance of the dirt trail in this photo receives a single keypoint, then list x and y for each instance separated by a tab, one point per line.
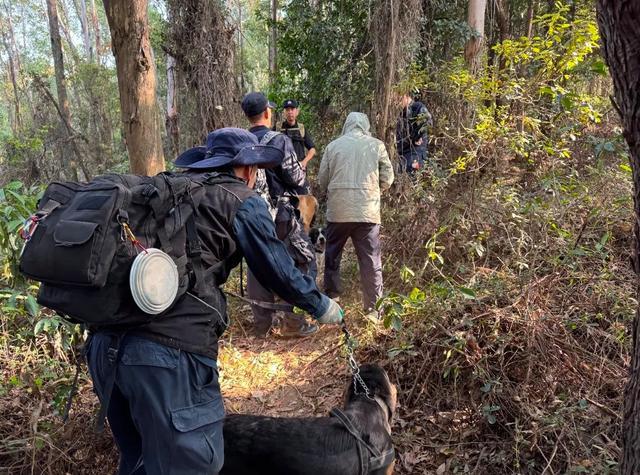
281	377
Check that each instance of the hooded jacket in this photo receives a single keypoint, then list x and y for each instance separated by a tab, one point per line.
355	169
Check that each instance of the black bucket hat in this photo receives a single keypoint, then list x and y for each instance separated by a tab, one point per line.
230	146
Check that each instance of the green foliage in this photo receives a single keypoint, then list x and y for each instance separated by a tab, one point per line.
17	203
325	55
532	101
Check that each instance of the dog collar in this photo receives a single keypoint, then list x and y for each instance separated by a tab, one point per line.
377	459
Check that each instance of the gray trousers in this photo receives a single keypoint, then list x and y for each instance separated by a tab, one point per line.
263	318
366	241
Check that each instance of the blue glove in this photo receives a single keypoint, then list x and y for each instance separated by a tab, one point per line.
333	315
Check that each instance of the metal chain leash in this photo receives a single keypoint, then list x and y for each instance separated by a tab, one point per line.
350	344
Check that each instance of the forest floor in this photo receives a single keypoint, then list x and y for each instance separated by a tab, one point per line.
272	376
531	391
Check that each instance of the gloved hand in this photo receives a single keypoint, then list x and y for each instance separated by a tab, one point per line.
333	315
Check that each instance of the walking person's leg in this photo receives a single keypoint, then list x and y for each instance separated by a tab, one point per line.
175	402
366	241
336	235
125	434
262	317
290	230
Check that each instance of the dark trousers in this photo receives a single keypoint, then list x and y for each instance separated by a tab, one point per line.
165	410
418	155
263	318
366	241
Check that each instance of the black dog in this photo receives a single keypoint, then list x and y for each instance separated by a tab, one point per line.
318	239
353	441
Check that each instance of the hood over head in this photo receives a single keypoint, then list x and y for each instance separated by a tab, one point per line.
356	122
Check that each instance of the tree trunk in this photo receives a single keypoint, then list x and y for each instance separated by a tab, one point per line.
273	42
8	41
531	11
68	164
137	84
618	21
63	24
473	48
241	49
96	30
81	11
172	106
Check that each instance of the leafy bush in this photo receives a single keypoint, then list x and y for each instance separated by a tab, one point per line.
17	203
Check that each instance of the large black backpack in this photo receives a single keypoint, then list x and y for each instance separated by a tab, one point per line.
83	239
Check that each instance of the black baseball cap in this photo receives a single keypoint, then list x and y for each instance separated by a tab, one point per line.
290	103
255	103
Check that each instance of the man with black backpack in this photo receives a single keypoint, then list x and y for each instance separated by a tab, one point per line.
155	372
280	186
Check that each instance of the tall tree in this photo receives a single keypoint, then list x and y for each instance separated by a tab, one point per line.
8	41
171	121
473	48
135	67
201	39
96	29
273	41
81	11
69	165
618	21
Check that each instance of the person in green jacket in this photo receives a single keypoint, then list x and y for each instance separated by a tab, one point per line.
354	171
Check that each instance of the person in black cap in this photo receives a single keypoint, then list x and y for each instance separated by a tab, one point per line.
282	184
302	141
166	409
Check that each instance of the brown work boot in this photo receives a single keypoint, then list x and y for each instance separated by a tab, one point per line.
298	330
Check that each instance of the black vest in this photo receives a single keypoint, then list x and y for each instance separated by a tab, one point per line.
191	325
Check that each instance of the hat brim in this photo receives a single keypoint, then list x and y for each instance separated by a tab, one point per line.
191	156
271	105
264	156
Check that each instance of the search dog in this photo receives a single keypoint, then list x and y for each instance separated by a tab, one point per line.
353	440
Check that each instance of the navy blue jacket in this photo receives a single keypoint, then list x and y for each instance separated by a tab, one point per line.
411	127
233	222
269	261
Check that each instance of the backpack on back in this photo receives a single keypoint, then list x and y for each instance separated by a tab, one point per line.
84	237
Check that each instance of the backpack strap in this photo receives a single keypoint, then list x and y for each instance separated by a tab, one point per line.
194	252
269	136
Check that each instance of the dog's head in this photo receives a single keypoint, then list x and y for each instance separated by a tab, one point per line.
380	387
318	239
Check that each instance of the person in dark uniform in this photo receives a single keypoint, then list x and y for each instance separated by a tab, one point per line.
165	408
302	141
280	186
412	136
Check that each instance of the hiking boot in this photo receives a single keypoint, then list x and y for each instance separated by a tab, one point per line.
298	331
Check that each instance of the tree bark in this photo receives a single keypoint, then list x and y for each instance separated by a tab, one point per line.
68	164
531	10
618	21
135	68
63	23
96	30
81	11
8	41
473	48
273	42
173	129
